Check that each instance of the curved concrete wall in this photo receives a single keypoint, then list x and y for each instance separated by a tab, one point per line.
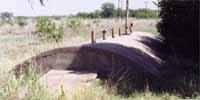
92	57
133	52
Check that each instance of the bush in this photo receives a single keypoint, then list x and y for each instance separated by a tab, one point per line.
8	22
74	24
179	26
2	22
143	13
48	30
21	21
96	14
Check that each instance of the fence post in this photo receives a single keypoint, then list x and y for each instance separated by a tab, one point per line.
131	26
93	37
104	34
113	33
120	33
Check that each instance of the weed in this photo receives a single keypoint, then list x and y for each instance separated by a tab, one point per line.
48	31
26	87
74	23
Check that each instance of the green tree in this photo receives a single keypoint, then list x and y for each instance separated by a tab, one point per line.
143	13
108	10
82	15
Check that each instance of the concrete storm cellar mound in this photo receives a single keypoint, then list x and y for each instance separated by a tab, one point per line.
127	56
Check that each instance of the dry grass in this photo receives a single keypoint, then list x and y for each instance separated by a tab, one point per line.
28	88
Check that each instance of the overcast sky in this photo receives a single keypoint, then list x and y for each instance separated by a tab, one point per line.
61	7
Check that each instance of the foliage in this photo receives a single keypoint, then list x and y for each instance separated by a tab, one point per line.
74	23
143	13
6	15
28	87
179	26
6	18
83	15
24	88
108	10
4	22
103	92
21	21
95	14
48	30
121	12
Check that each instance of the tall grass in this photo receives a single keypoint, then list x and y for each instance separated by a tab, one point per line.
24	88
29	88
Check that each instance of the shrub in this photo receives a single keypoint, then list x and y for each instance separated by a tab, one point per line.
48	30
8	22
95	14
21	21
74	23
179	26
2	22
143	13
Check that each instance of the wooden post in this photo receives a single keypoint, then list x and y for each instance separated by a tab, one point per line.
93	37
104	34
120	33
113	33
131	26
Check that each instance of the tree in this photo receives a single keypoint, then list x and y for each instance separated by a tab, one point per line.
82	15
108	10
179	26
143	13
95	14
6	15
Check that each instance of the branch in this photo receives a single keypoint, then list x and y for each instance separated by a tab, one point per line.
155	3
42	2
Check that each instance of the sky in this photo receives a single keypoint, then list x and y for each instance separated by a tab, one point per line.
61	7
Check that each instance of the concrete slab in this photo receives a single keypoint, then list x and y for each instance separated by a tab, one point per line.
69	80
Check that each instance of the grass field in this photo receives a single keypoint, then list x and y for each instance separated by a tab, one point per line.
20	43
